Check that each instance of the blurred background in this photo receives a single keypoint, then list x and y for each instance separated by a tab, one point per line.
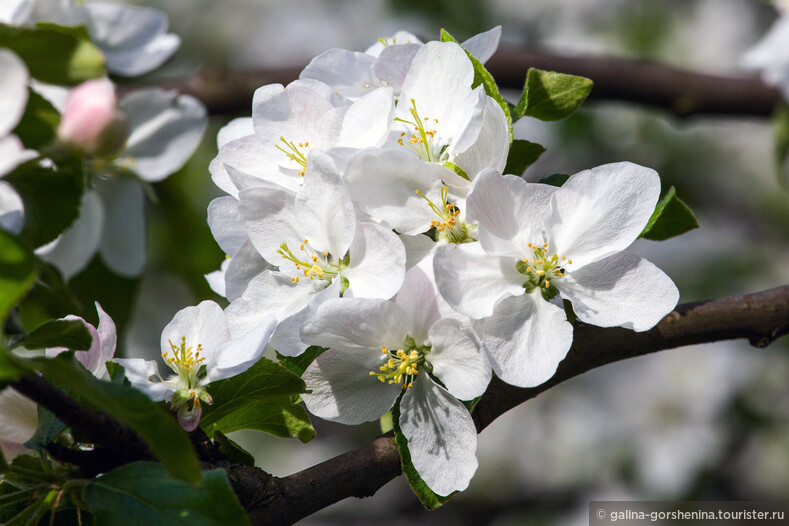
702	423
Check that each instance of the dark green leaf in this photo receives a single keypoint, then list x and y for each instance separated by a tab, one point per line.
423	492
234	453
51	200
298	364
142	493
71	334
153	423
55	54
49	427
522	155
671	218
551	96
17	272
482	76
555	179
278	416
263	381
37	127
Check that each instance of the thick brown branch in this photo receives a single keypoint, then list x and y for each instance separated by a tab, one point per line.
761	318
680	91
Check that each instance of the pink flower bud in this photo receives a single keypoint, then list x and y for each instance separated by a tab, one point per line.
92	122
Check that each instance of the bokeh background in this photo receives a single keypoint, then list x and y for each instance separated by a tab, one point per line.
702	423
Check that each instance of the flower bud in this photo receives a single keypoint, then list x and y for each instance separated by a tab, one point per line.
92	122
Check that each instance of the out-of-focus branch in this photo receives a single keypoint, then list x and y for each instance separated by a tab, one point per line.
683	92
760	317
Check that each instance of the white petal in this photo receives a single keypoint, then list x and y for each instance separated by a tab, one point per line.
510	212
15	12
343	389
13	153
270	221
377	263
75	247
216	279
13	91
621	290
483	45
348	72
239	354
442	439
12	209
771	55
108	336
134	39
245	264
166	128
235	129
393	64
367	121
473	282
351	324
323	207
601	211
419	298
458	359
203	325
492	145
526	338
226	224
139	372
123	239
400	38
253	159
384	185
417	248
19	417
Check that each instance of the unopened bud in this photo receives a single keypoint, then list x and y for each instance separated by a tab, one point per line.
92	122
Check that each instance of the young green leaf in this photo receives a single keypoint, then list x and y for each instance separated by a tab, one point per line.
298	364
482	76
39	123
278	416
422	491
522	155
145	492
671	218
17	272
551	96
71	334
55	54
153	423
263	381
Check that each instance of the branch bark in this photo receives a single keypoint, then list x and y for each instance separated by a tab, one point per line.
685	93
760	317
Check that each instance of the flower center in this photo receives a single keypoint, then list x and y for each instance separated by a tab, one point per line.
184	361
296	153
315	264
403	364
421	140
449	227
541	269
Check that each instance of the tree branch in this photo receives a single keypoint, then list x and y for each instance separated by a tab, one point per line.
760	317
683	92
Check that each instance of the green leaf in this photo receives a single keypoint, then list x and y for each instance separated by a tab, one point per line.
482	76
262	382
10	370
671	218
151	421
143	493
551	96
298	364
234	453
781	134
457	169
71	334
522	155
37	127
49	427
55	54
51	201
423	492
279	416
555	179
17	272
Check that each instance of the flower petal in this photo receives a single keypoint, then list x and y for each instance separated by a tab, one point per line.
287	338
377	263
526	338
202	325
139	373
420	299
239	354
458	359
226	224
20	421
442	439
348	72
12	209
601	211
472	281
108	336
393	64
343	389
483	45
270	221
492	145
235	129
622	290
13	90
245	264
367	121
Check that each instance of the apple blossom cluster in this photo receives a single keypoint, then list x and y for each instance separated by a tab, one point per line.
368	213
770	55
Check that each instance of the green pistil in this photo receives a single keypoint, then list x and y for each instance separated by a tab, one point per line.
423	142
294	153
448	227
541	270
315	264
